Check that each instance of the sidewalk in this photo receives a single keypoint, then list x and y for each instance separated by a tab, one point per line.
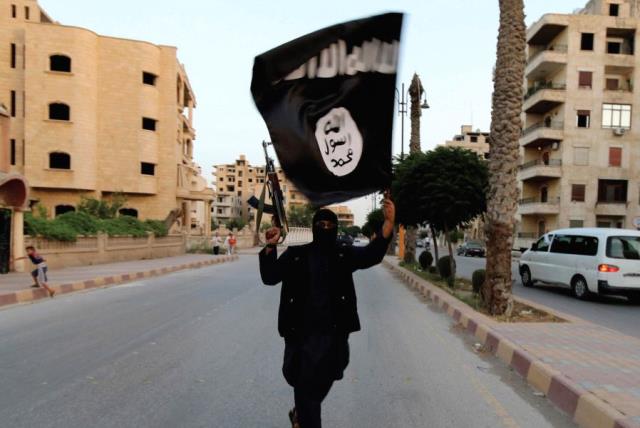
15	287
588	371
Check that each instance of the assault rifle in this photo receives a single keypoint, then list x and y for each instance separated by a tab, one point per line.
276	209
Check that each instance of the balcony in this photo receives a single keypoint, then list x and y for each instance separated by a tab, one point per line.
546	29
534	206
542	134
539	170
546	62
611	208
544	97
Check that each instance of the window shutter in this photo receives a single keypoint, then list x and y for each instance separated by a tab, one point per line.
585	79
578	192
612	84
615	156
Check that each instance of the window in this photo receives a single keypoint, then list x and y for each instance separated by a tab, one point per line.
149	78
14	11
13	103
561	244
59	160
586	41
612	191
615	156
26	12
63	209
59	111
131	212
585	79
584	119
573	224
616	116
543	243
474	139
578	192
581	156
612	84
584	245
149	124
240	183
13	55
251	180
239	192
614	9
60	63
12	152
614	47
147	168
623	247
221	179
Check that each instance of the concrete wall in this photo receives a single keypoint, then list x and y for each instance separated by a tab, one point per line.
93	250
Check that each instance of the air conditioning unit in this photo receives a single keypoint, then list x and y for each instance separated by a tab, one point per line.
555	146
619	132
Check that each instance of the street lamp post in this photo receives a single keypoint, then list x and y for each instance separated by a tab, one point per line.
402	98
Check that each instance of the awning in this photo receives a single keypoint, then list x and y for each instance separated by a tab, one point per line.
14	190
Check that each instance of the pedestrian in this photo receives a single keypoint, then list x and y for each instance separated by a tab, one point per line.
231	243
318	307
39	274
215	242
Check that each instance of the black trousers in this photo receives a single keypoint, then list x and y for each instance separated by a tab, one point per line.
311	365
216	250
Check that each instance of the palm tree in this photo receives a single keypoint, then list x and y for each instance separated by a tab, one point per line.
503	156
415	92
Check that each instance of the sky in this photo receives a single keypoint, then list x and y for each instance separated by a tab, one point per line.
450	44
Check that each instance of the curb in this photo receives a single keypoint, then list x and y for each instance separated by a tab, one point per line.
30	295
586	409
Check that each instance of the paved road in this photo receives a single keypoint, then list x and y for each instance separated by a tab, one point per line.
613	312
200	349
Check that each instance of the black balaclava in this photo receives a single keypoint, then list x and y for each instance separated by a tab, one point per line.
325	238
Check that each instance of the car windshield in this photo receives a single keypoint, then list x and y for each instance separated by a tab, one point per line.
623	247
474	245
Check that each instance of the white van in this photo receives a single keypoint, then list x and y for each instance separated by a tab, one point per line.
589	260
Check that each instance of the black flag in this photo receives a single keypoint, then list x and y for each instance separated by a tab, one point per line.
328	101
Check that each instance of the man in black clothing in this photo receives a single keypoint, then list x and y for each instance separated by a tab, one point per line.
318	307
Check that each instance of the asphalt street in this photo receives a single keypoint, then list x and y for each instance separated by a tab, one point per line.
199	348
613	312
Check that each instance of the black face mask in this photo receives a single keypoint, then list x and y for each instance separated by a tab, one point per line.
325	238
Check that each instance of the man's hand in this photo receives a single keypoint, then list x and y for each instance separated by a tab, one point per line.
273	235
389	211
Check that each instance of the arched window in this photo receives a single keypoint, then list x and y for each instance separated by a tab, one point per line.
61	209
58	160
59	111
60	63
132	212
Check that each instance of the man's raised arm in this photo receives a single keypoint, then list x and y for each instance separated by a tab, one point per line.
271	267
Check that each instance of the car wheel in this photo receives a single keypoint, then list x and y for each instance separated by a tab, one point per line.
579	288
525	275
634	299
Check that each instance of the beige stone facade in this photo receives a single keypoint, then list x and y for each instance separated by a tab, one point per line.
580	154
476	141
344	213
235	183
92	115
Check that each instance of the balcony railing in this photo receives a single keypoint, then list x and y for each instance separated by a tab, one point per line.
551	48
526	235
540	162
546	85
554	124
550	201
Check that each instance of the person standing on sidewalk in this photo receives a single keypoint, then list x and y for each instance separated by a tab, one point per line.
215	242
318	307
230	243
39	274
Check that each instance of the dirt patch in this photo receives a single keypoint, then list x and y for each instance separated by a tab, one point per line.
463	291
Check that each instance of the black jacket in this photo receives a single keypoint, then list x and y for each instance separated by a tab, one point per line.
293	269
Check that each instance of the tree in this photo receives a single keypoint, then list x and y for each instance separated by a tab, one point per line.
236	223
444	187
102	208
300	216
415	93
353	231
374	222
506	128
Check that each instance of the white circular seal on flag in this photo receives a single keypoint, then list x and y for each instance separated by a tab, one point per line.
340	141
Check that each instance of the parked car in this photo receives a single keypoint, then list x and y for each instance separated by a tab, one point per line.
471	248
345	240
588	260
420	243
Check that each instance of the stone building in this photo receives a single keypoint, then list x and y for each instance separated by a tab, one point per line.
14	193
344	213
476	141
580	157
235	183
93	115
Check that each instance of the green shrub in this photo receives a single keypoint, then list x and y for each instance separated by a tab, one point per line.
102	208
425	259
81	222
444	267
123	225
433	269
477	280
236	223
158	227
